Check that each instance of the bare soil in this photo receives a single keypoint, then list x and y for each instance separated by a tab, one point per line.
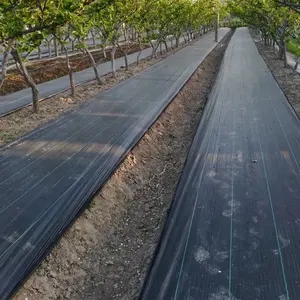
107	252
287	78
46	70
22	121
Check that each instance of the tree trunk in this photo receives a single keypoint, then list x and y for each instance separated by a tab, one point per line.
261	37
113	61
35	99
23	70
297	64
55	47
139	55
126	61
284	55
269	41
94	40
39	52
49	50
104	51
217	21
281	53
282	44
4	65
70	71
125	57
135	35
171	42
177	41
125	34
166	45
100	81
154	50
160	48
73	46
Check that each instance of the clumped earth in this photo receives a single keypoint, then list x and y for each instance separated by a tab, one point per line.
107	252
46	70
287	78
22	121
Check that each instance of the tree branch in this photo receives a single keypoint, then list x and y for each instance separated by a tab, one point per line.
293	6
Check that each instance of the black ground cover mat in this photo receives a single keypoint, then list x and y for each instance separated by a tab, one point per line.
234	228
50	175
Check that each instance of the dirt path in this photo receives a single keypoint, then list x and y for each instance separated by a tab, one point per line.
287	78
106	253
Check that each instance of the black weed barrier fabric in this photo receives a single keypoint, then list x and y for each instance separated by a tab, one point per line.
234	228
50	175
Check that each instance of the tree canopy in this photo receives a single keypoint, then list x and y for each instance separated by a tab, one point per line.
24	24
277	20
